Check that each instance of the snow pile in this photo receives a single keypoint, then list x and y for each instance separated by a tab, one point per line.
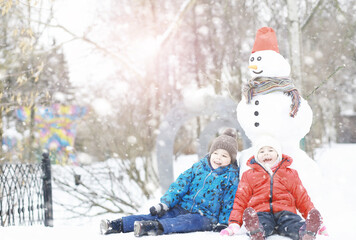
338	165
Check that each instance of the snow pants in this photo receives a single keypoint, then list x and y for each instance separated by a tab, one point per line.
176	220
284	223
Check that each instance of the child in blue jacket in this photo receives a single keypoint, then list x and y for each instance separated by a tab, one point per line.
201	198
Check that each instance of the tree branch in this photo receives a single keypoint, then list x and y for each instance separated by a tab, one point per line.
323	82
106	51
176	22
308	19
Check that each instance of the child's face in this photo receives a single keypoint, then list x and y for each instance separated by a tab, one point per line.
220	158
267	155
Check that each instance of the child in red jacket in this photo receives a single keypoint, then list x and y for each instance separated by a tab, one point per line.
269	195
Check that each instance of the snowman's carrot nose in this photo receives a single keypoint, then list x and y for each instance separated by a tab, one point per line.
253	67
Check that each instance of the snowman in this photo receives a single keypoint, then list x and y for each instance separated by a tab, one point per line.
272	106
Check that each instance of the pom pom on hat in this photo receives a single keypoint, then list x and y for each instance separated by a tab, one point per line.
230	132
227	141
267	141
266	39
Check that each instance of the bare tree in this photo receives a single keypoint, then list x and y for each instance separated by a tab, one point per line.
295	46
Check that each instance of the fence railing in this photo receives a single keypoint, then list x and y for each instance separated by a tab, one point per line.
26	193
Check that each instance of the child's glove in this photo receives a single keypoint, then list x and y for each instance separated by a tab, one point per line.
160	209
322	230
218	227
232	229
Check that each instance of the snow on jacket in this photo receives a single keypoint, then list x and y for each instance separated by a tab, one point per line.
281	191
204	190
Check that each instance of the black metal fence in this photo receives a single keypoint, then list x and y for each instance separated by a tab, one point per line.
26	193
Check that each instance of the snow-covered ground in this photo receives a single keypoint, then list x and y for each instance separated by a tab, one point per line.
337	163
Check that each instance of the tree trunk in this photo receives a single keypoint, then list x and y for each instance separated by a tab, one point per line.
294	43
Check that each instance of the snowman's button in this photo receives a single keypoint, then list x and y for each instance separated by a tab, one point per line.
256	113
257	124
257	102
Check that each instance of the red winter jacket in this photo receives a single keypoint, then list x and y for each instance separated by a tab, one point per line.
283	191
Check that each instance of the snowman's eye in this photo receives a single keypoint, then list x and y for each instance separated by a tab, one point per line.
252	59
259	58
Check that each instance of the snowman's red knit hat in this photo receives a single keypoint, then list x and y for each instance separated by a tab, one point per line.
266	39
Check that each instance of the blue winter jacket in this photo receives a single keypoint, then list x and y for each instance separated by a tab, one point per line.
204	190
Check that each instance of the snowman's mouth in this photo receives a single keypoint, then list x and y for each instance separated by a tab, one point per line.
257	72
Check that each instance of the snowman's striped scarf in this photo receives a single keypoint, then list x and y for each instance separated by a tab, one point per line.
265	85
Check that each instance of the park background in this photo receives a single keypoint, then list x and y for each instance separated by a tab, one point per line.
93	81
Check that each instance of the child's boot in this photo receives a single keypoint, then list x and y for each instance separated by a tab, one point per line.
252	224
108	227
151	228
312	224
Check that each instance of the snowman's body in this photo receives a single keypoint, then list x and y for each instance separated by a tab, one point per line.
269	113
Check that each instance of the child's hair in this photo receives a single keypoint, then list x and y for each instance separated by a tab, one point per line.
266	140
227	141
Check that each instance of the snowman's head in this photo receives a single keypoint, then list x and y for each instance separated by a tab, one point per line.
268	63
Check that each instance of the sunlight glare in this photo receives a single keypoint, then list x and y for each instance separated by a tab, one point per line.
144	50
